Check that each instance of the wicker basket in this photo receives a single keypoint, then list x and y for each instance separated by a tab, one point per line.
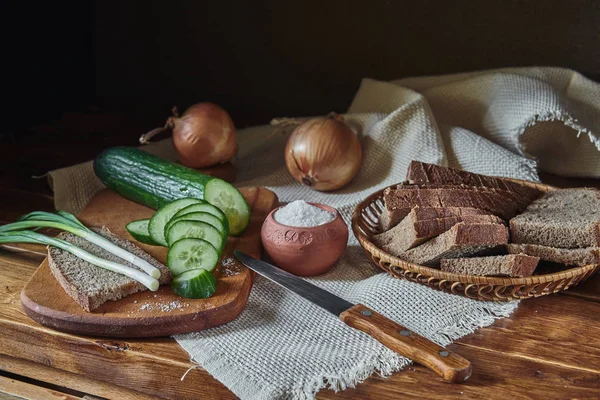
365	225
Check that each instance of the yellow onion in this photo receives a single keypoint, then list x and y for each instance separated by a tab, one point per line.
203	136
323	153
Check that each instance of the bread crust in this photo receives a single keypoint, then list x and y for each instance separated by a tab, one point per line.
501	203
424	173
390	218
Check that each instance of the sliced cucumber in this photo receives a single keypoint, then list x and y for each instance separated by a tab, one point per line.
139	231
156	227
200	216
207	208
221	194
190	253
196	229
195	284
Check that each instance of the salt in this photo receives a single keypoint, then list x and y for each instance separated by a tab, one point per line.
229	267
164	307
301	214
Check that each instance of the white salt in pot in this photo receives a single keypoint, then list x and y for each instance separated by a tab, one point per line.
305	251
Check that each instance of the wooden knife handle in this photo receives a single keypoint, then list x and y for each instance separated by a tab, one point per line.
448	365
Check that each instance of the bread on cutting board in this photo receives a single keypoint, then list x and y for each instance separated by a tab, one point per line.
91	286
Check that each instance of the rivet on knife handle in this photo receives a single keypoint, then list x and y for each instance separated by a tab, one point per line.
448	365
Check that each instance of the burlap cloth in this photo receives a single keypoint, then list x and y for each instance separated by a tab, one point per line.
492	122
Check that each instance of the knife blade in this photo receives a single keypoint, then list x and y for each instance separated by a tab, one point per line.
450	366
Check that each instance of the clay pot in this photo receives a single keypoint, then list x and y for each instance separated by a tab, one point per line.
305	251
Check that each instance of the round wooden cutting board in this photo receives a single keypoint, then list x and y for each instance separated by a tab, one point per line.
149	314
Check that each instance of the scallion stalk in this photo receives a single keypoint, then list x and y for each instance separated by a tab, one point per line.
34	237
68	222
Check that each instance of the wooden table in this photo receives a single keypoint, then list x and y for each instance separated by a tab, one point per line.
549	348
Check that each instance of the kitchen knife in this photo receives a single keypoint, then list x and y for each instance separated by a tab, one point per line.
448	365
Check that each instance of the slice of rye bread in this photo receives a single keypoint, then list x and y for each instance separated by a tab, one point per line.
421	173
579	257
416	228
497	202
390	218
566	218
462	240
91	286
514	265
522	202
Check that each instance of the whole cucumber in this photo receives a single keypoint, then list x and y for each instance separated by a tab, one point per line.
154	182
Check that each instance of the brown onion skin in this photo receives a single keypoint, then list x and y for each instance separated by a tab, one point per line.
204	136
323	153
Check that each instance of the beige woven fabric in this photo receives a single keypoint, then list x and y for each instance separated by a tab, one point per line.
282	347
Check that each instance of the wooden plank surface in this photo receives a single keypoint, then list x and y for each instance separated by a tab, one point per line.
496	376
564	353
25	390
60	378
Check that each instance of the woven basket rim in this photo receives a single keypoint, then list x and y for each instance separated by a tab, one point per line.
369	246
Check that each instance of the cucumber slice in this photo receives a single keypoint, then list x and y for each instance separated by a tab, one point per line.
190	253
195	284
223	195
200	216
207	208
139	231
156	227
196	229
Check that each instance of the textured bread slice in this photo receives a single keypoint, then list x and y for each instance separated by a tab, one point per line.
514	265
462	240
567	218
390	218
421	173
580	257
501	203
417	227
91	286
521	202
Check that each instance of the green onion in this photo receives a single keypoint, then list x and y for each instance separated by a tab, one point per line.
68	222
34	237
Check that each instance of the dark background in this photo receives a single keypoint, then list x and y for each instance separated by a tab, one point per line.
95	74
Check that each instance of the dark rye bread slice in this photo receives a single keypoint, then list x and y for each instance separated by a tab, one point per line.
497	202
579	257
462	240
417	228
91	286
566	218
513	265
522	203
421	173
390	218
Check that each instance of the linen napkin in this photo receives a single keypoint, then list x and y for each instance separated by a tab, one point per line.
495	122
